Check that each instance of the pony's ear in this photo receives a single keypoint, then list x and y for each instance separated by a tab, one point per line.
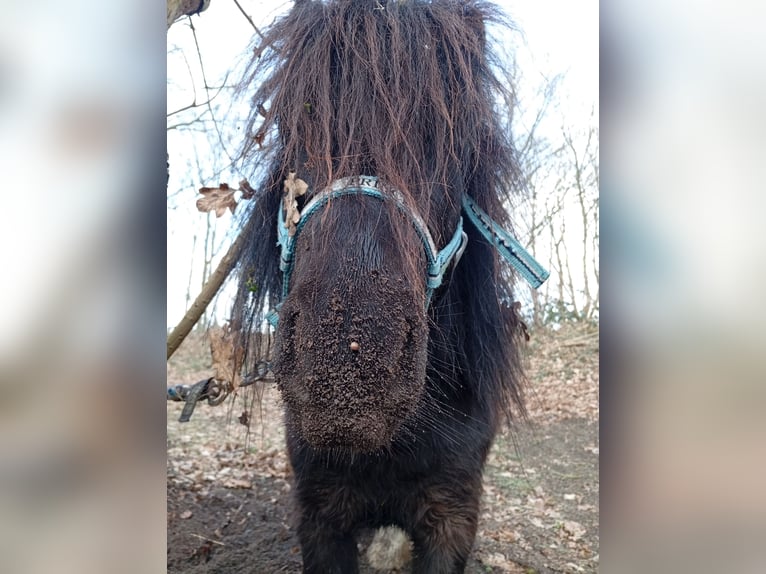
474	18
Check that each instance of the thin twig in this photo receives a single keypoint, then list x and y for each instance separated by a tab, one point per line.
249	19
207	91
194	103
580	340
196	122
207	539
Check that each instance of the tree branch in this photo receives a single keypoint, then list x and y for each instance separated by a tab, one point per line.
209	291
249	19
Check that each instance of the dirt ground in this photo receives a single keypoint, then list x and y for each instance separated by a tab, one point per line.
229	499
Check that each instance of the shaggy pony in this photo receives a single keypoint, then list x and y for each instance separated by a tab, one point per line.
396	433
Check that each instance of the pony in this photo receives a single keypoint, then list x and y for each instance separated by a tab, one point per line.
397	345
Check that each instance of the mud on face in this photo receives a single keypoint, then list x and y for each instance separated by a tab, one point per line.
351	343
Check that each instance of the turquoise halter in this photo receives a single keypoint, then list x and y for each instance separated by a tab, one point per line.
506	245
437	260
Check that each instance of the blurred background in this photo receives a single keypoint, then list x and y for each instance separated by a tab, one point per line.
83	164
683	368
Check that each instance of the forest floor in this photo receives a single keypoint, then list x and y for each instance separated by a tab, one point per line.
229	499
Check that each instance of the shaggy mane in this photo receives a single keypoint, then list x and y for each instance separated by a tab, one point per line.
412	92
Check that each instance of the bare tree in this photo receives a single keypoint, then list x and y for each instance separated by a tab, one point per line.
535	153
560	215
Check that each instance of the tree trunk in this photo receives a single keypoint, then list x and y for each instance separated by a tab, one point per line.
178	8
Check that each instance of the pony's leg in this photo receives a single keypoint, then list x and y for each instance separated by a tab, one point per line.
326	551
442	553
444	533
326	511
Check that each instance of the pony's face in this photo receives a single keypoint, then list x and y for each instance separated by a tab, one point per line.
351	346
353	331
407	94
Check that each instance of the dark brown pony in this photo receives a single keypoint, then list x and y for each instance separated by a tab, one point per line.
391	403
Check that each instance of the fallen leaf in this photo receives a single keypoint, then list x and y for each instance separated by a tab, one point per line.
247	191
217	199
497	560
294	187
227	357
536	522
573	530
508	536
237	483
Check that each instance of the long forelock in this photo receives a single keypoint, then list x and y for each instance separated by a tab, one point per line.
410	91
407	90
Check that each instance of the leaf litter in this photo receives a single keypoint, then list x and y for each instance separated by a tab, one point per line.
231	484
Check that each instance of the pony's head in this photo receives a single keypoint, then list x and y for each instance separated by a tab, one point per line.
403	91
352	337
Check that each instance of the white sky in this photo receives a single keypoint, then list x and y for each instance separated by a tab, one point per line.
560	36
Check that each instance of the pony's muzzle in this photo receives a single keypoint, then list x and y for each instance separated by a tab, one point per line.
351	375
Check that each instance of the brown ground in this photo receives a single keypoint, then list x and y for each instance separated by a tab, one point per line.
229	494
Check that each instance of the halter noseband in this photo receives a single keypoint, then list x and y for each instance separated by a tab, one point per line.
369	186
438	261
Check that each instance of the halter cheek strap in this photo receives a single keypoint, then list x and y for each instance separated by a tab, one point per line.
505	244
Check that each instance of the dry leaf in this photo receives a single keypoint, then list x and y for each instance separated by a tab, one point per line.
294	188
497	560
247	191
573	530
227	359
259	137
217	199
237	483
295	185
